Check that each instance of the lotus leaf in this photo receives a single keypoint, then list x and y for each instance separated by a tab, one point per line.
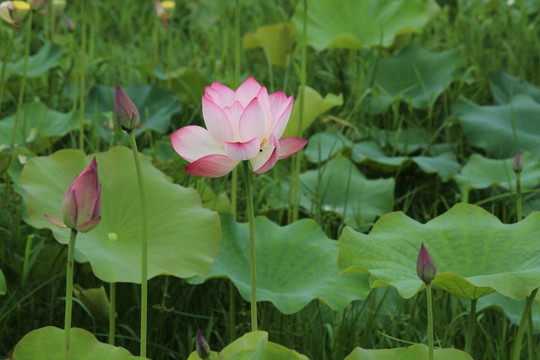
276	41
505	87
415	352
475	254
254	346
295	265
355	24
48	344
183	237
46	58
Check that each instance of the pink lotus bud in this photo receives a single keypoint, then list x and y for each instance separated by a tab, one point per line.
70	25
127	115
203	349
425	267
518	163
14	11
81	205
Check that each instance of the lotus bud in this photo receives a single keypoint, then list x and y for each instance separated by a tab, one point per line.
81	205
168	8
425	267
203	349
127	115
14	11
70	25
518	163
38	4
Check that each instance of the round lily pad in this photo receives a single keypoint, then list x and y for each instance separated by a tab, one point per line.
415	352
183	237
475	254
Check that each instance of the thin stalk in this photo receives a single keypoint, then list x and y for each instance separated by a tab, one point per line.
530	337
472	328
27	252
169	59
144	250
519	210
522	325
23	79
251	218
429	321
298	158
82	76
69	292
112	312
4	65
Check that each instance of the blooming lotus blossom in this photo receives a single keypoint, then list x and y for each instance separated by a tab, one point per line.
14	11
245	124
81	205
425	267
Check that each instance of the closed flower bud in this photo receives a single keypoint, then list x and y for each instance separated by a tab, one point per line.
203	350
425	267
125	111
14	11
518	163
81	205
70	25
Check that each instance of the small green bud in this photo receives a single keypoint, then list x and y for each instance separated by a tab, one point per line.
203	350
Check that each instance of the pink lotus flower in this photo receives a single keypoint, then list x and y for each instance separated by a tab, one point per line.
245	124
81	205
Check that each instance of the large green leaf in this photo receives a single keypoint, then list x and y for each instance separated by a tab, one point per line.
295	265
276	41
314	105
187	83
323	145
355	24
38	126
501	130
475	254
415	352
481	173
415	76
183	237
155	105
505	87
48	344
46	58
253	346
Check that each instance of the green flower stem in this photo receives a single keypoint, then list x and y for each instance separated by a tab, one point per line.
144	234
169	58
82	76
519	210
4	65
251	218
23	79
429	321
297	162
522	325
69	292
112	312
27	252
530	337
472	327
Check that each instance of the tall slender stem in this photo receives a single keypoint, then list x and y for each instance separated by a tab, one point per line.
169	58
519	210
144	250
530	337
522	325
69	292
429	321
472	328
23	79
251	219
112	312
82	76
27	252
297	158
4	66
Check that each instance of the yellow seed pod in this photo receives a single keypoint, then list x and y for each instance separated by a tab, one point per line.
168	8
14	11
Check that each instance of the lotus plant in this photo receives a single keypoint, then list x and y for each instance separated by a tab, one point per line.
243	125
81	212
14	11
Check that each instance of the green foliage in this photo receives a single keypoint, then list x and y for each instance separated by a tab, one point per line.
184	236
475	254
415	352
275	40
295	265
3	285
253	346
356	24
47	57
48	344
